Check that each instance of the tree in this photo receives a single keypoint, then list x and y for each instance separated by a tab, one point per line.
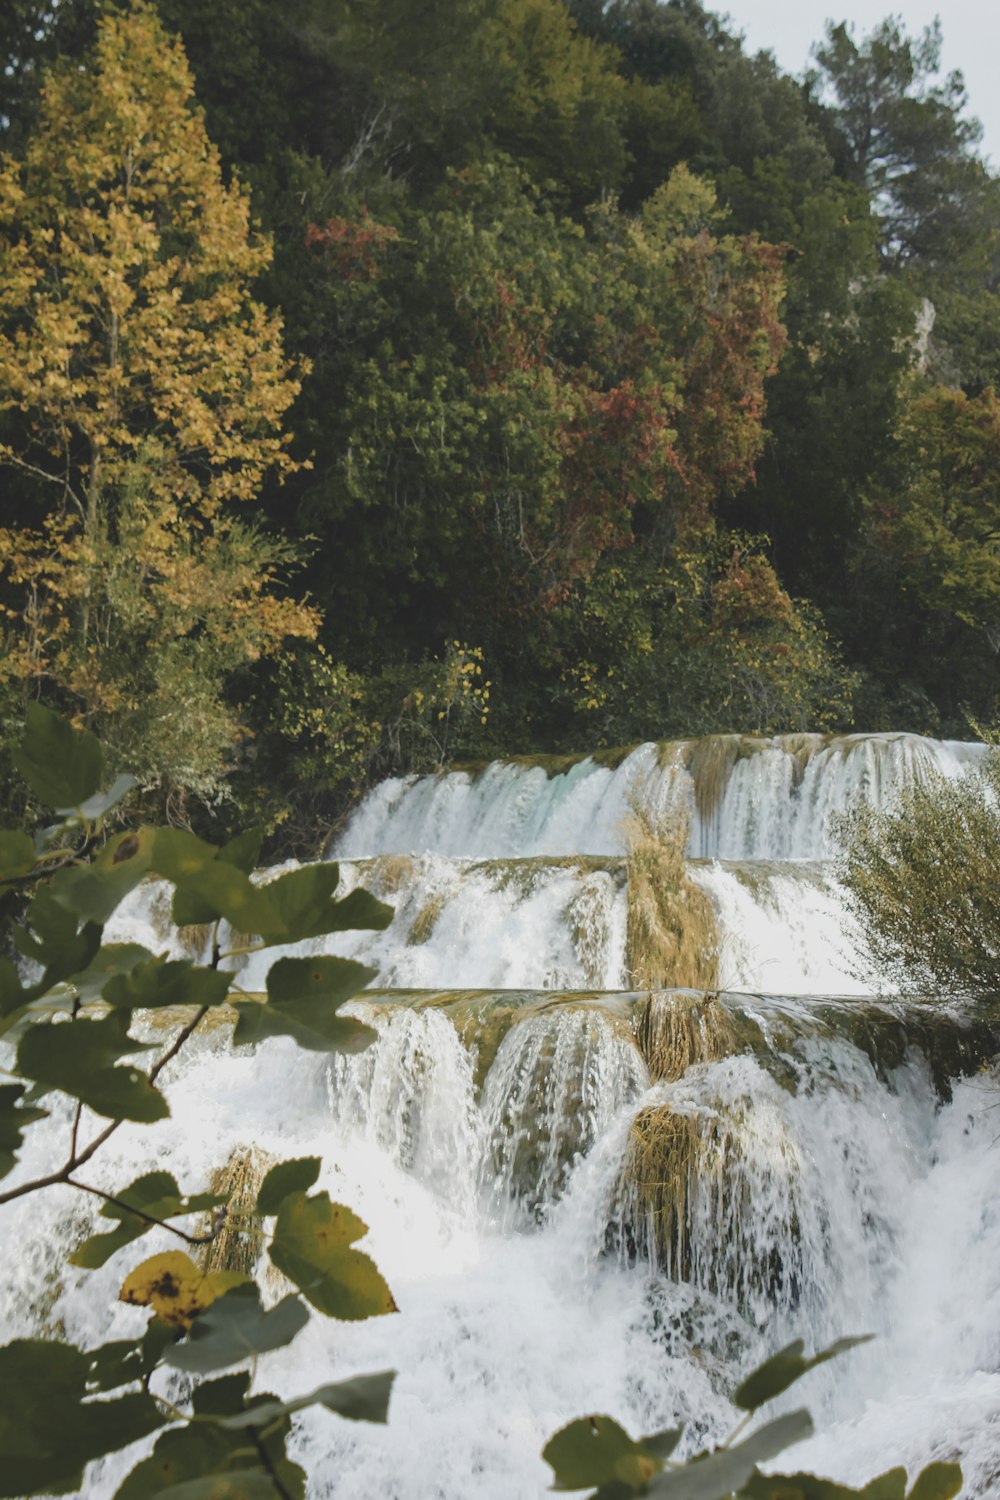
903	138
939	517
142	390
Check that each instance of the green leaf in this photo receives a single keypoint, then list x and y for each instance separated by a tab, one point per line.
110	959
94	890
126	1360
937	1482
205	1452
595	1451
363	1399
17	854
784	1368
12	1123
287	1177
243	851
63	766
235	1328
312	1245
80	1058
54	939
888	1486
240	1484
102	802
155	1194
207	887
163	981
303	900
304	995
718	1474
662	1444
49	1431
803	1487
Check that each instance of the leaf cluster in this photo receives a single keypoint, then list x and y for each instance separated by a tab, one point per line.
596	1454
72	1027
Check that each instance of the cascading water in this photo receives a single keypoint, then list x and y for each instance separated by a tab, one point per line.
585	1198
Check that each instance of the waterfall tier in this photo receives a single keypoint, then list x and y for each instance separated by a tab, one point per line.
749	798
597	1202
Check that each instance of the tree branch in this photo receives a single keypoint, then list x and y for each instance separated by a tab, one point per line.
79	1158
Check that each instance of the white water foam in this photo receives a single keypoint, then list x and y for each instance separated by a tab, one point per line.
882	1213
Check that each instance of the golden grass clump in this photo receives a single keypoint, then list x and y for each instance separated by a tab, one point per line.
667	1154
678	1030
390	872
237	1246
673	941
424	923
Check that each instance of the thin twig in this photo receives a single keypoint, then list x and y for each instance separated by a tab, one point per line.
265	1459
80	1158
139	1213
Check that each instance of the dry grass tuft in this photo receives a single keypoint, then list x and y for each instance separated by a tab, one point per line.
237	1247
672	937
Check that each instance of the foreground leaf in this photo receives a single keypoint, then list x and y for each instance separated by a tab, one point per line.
14	1117
784	1368
243	1484
287	1177
363	1399
303	997
63	766
207	887
235	1328
595	1451
206	1452
728	1470
937	1482
304	902
49	1430
80	1058
155	1194
17	854
109	960
175	1288
164	981
94	890
126	1360
312	1246
53	938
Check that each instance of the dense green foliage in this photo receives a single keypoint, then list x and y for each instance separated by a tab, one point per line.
592	350
921	883
72	1030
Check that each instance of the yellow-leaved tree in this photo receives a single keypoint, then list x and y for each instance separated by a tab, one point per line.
142	397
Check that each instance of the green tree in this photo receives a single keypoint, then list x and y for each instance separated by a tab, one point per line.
143	391
904	139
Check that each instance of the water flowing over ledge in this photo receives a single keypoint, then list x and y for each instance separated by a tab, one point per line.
751	798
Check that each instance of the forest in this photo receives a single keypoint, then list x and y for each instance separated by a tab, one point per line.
387	385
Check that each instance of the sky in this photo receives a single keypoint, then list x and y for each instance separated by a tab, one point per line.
970	28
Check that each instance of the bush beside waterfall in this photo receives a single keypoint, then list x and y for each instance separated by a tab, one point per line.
921	878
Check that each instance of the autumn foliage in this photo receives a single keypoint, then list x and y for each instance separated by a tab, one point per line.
144	390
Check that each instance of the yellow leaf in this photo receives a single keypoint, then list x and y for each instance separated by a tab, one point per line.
175	1288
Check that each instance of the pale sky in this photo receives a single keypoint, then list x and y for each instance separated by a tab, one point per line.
971	31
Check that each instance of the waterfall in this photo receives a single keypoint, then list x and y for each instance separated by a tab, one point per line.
587	1198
